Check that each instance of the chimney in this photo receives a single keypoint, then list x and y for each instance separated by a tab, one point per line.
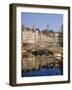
33	27
47	27
22	27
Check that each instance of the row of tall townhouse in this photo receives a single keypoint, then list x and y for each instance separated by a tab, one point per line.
36	38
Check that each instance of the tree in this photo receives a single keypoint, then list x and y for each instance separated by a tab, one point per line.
51	31
61	36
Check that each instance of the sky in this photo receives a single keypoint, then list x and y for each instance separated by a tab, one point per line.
41	21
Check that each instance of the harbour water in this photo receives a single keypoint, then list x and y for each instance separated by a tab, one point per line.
43	72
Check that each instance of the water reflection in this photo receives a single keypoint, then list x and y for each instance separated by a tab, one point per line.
41	63
41	52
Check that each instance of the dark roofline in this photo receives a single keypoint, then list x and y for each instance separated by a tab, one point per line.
28	29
